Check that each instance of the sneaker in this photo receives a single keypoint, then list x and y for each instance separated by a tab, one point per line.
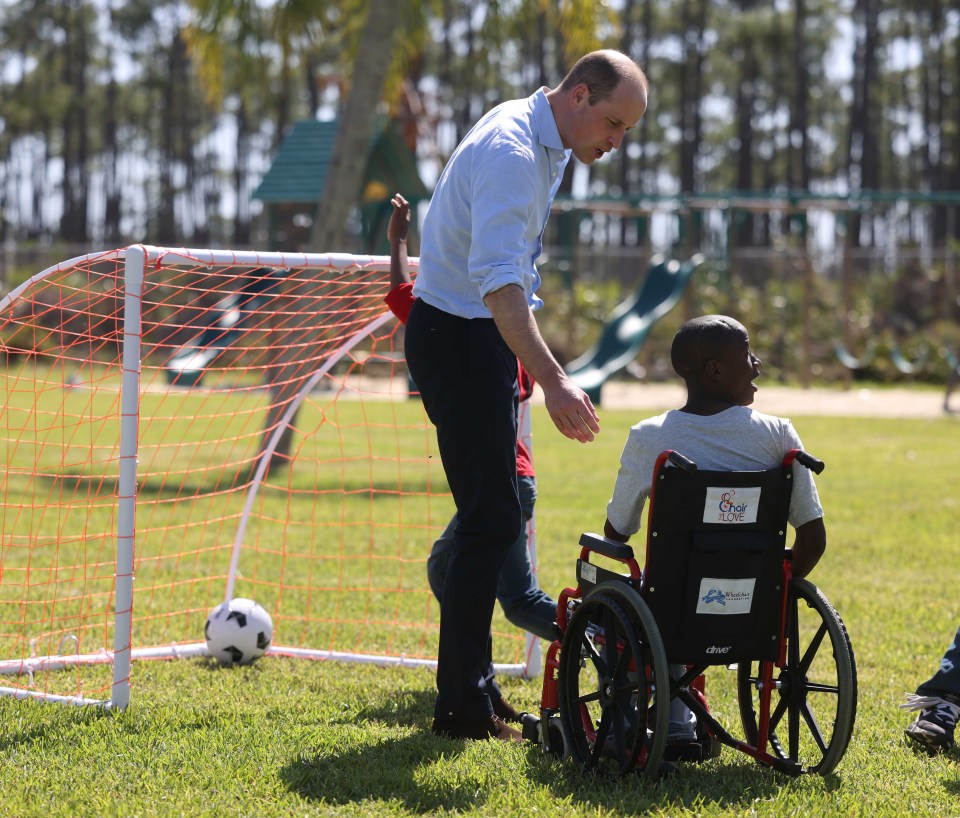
683	750
933	727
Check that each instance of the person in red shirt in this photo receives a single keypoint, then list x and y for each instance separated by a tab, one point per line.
523	602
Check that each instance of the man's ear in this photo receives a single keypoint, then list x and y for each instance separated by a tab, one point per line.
713	369
581	94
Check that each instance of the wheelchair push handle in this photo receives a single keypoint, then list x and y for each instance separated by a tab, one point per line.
804	459
681	462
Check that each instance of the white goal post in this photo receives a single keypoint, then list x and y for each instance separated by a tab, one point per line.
184	426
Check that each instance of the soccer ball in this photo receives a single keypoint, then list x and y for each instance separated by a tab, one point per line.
238	632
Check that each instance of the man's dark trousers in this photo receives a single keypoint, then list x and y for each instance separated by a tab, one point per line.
467	377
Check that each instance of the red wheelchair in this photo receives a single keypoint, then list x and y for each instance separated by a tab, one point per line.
716	591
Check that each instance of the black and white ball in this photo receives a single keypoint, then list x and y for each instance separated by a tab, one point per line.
238	632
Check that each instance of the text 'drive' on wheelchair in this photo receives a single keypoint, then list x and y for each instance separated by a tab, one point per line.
712	593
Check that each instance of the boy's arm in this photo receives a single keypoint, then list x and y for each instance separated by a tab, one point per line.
400	298
808	547
612	534
397	236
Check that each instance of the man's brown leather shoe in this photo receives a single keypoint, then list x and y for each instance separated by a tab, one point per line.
505	710
493	727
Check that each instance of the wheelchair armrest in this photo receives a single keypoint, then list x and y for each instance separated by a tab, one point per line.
609	548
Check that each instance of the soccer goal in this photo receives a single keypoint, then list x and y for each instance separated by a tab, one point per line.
181	427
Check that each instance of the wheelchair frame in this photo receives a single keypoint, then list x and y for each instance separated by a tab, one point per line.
602	700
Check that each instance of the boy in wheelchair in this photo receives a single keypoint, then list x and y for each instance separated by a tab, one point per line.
716	428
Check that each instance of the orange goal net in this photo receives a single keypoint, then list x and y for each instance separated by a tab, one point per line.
180	427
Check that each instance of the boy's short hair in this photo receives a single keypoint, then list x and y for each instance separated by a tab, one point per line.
700	339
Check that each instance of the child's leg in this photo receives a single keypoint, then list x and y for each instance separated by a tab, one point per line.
947	678
683	723
437	561
938	704
523	602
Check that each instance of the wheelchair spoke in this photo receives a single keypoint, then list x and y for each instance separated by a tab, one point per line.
620	725
587	644
814	728
604	683
793	730
777	714
811	652
814	703
601	739
792	631
610	659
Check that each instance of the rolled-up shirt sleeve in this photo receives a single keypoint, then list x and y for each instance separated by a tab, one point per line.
505	200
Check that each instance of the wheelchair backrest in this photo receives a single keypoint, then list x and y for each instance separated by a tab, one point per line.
714	569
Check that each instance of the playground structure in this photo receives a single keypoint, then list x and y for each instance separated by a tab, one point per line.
630	324
835	288
819	279
221	327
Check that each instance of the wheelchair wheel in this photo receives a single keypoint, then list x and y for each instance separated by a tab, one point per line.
814	703
611	665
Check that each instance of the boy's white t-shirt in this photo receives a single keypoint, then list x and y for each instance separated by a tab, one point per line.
736	439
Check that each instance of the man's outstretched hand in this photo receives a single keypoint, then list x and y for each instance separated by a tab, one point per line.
571	410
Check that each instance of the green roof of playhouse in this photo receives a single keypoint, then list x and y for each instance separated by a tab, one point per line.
299	169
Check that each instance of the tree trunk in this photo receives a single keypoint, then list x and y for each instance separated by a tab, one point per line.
746	100
861	146
166	218
798	167
355	131
73	223
340	193
241	219
111	181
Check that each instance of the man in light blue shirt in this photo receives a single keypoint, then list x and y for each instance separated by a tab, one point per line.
473	317
490	207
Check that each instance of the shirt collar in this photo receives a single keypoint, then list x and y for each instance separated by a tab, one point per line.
547	132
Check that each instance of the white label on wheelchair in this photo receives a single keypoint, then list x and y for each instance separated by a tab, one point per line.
588	572
731	505
725	596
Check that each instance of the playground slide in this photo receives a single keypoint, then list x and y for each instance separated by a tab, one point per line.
851	361
899	360
630	324
909	366
223	324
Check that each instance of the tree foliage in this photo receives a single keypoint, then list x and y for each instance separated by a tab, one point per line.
134	120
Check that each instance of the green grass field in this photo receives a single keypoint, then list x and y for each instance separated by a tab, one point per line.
293	737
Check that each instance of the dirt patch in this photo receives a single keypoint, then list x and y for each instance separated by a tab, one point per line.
789	401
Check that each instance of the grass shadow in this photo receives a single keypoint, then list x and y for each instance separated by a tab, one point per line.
399	772
727	786
39	722
69	483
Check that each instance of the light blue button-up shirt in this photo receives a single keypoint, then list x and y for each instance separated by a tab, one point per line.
484	228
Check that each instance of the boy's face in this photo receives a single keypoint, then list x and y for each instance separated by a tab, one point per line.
738	369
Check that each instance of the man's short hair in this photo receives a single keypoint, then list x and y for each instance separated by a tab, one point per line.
700	339
601	72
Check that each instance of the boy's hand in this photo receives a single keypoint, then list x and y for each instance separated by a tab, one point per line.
399	219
